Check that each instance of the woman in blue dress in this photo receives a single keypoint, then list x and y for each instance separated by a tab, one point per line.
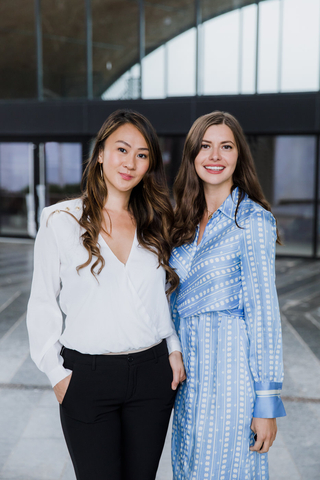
225	309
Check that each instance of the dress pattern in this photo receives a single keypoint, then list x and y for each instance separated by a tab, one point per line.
227	315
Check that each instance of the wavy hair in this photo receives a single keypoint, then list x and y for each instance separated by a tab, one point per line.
149	202
188	187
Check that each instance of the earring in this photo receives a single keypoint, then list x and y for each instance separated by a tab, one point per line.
101	170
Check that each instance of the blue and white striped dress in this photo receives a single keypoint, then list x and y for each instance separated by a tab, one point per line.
227	315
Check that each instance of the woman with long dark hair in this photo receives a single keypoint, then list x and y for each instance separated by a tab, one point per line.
225	309
115	362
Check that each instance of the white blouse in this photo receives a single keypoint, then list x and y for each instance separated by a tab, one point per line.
125	308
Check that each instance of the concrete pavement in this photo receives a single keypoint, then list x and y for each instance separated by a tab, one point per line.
31	442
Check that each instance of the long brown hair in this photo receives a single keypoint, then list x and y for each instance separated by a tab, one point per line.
149	200
188	187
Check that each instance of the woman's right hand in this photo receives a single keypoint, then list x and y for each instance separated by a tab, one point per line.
178	371
61	387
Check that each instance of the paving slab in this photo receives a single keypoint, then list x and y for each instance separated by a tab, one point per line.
48	460
31	441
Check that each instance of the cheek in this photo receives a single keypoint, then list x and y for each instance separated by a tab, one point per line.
144	168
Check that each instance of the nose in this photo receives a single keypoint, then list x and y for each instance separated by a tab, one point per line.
130	162
215	154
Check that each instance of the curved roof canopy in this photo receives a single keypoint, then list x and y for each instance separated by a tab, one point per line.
62	25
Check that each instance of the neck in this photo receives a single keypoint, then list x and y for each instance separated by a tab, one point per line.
215	195
117	201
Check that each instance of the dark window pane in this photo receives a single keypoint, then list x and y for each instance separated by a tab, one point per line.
63	170
115	28
16	204
318	226
18	65
285	166
171	148
294	192
64	49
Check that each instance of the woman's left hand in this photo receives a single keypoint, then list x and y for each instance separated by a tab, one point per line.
179	374
266	430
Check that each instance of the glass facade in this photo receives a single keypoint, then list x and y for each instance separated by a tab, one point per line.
169	34
63	166
286	166
17	205
128	49
64	49
132	49
18	64
317	211
114	54
171	148
300	46
22	196
293	198
269	47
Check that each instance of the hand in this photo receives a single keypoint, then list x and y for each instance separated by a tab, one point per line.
266	430
179	374
61	387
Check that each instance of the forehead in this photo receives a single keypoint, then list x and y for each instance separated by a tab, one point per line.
129	134
220	133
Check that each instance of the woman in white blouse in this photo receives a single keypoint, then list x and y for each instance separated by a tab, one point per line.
115	362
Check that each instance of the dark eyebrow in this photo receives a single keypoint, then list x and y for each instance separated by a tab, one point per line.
225	141
122	141
128	145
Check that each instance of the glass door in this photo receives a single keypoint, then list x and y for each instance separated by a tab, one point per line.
60	172
17	206
293	198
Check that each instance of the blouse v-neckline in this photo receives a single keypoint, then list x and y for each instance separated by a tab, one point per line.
112	252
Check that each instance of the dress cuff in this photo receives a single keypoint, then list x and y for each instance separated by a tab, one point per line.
268	402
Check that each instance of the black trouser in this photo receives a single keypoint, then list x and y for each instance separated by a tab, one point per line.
115	413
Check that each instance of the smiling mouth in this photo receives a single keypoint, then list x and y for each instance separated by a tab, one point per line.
125	176
214	169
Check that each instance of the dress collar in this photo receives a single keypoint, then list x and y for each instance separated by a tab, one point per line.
229	206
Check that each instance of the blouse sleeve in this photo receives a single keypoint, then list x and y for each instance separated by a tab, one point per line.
262	312
44	317
173	343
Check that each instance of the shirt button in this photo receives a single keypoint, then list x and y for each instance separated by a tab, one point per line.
130	358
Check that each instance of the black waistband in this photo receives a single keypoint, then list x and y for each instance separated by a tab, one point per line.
137	357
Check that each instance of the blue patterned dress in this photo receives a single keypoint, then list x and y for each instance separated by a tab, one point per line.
227	315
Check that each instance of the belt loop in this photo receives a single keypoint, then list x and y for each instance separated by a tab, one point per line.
155	354
62	349
93	366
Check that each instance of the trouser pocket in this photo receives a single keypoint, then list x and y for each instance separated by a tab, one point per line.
78	402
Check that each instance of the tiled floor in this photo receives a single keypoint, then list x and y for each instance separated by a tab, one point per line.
31	442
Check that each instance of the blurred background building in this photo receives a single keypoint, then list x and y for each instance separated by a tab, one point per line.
66	64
